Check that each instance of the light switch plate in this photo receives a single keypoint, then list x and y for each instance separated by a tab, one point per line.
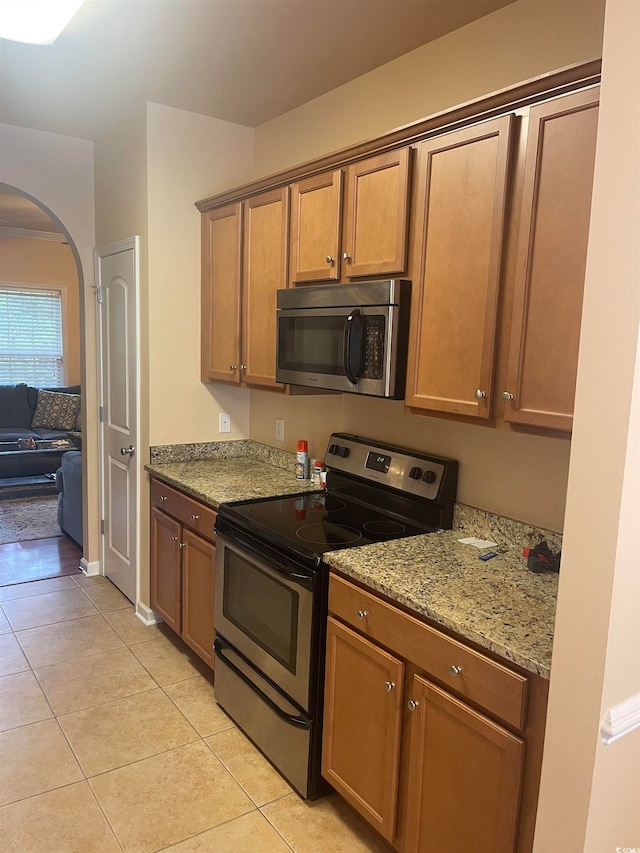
224	422
279	429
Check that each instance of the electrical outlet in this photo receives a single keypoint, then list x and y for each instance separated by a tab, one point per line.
224	422
279	429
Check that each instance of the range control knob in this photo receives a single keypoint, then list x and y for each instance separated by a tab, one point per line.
415	473
429	476
333	449
343	451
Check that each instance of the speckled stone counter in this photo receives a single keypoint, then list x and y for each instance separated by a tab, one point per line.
498	604
216	481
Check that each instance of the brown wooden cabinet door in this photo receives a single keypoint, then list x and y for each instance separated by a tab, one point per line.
220	309
198	564
465	777
362	721
551	261
166	573
462	186
316	206
266	229
377	215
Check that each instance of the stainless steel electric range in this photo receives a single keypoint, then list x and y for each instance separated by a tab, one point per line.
271	587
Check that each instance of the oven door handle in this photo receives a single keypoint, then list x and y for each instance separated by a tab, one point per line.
353	351
300	722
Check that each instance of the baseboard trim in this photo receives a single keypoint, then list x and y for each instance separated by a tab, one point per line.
621	719
146	615
90	569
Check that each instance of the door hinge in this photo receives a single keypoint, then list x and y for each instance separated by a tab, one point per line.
103	526
99	293
101	414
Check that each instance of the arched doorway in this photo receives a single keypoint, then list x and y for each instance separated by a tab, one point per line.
39	267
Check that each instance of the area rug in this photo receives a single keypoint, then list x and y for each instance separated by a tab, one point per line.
28	518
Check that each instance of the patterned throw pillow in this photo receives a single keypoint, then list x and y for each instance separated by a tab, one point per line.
78	424
55	410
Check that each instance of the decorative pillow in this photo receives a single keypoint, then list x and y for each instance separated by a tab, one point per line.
78	424
55	410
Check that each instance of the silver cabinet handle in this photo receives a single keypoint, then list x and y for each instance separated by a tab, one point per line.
362	614
506	396
330	260
233	367
174	538
195	517
243	367
182	545
389	685
412	704
455	670
163	498
127	451
480	394
346	256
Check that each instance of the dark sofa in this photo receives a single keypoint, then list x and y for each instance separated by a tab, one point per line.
17	408
69	485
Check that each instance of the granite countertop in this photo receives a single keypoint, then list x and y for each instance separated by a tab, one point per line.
217	481
498	604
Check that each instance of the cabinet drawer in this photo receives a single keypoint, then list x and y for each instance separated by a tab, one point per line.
191	513
483	681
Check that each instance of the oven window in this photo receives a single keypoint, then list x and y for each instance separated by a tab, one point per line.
262	608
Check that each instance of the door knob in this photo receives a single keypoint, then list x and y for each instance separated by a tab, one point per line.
127	451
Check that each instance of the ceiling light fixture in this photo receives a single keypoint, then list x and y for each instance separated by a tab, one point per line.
35	21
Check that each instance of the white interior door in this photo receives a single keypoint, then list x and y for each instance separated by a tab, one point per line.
117	287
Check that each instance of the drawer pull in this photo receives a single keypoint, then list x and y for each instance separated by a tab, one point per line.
389	685
183	545
163	497
174	538
455	670
412	704
362	614
195	517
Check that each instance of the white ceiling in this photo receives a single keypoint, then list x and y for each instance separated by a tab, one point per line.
244	61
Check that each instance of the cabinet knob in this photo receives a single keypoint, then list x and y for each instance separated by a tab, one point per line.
233	367
163	497
506	396
243	367
455	670
480	394
362	614
195	517
389	685
174	538
182	545
412	704
330	260
346	256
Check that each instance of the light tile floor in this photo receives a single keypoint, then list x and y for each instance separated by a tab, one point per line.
111	740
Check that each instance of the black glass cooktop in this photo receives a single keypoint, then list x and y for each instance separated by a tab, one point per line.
313	523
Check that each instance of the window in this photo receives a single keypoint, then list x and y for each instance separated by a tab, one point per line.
31	336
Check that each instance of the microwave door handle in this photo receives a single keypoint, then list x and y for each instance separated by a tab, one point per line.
353	346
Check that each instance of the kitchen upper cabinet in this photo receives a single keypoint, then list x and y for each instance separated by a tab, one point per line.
450	808
363	718
244	262
462	189
221	284
551	261
266	232
316	220
376	218
182	566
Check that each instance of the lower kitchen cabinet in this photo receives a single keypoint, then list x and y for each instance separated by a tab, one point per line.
182	566
436	745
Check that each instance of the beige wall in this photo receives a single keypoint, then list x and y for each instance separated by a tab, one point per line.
189	157
516	43
28	261
516	475
57	171
590	792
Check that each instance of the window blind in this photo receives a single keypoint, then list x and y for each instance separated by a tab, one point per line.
31	336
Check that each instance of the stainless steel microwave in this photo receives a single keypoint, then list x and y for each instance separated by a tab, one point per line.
345	337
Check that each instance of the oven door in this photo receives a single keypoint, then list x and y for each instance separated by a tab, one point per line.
264	608
339	349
